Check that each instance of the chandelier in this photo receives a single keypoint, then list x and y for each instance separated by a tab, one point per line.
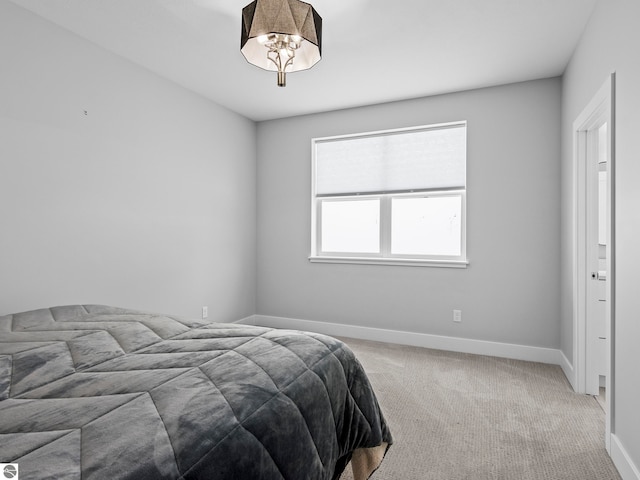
281	36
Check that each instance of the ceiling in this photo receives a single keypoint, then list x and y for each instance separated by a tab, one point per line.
374	51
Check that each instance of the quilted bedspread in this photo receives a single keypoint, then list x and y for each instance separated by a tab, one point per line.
102	392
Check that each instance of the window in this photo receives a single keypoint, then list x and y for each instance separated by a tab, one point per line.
394	197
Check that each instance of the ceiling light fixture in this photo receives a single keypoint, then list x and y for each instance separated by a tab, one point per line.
281	36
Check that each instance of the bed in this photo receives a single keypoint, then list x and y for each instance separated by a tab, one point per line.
96	392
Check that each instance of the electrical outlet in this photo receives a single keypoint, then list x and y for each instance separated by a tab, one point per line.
457	316
205	312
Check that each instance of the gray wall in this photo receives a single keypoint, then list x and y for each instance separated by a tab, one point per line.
510	291
147	201
610	43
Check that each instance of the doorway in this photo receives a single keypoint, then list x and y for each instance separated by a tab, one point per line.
594	275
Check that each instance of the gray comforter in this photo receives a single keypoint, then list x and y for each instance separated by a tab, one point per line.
101	392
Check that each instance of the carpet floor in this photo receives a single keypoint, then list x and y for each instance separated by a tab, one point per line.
456	416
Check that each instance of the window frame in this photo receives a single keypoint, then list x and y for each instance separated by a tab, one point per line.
385	257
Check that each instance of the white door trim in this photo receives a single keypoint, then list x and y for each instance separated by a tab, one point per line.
602	105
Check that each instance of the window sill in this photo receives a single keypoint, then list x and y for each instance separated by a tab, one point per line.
391	261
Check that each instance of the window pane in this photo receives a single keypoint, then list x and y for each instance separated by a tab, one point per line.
351	226
426	226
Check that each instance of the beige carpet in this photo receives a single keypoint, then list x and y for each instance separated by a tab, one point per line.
456	416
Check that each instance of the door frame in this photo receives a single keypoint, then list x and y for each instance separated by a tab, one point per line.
602	105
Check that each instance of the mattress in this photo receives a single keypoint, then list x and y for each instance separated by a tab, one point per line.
97	392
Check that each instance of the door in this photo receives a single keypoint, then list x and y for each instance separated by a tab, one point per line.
594	247
596	225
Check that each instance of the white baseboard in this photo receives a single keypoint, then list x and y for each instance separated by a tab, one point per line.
622	461
246	320
438	342
569	372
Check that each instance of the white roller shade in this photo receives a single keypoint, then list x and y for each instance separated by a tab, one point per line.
417	159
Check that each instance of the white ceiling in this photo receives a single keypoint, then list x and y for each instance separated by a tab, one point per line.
374	51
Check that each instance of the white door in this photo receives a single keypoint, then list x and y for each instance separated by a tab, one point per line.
594	260
596	316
